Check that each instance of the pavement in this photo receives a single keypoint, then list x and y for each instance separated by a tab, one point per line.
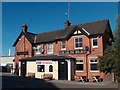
13	81
74	84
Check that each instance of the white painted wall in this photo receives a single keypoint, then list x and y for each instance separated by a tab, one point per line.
4	60
32	68
19	68
55	70
69	70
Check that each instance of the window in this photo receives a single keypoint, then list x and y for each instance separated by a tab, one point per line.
93	65
40	68
50	48
79	65
94	42
63	46
37	49
78	42
50	68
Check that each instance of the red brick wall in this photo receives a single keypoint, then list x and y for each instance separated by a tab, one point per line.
95	52
22	45
57	47
86	42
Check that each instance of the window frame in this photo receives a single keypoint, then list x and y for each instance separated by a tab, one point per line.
37	50
80	63
43	68
50	52
95	46
51	70
62	45
94	62
77	42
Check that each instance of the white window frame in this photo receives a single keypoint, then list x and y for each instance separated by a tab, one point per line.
37	49
75	43
51	52
95	46
42	69
62	45
93	63
51	70
80	63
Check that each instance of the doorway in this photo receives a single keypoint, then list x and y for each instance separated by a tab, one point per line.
62	70
23	68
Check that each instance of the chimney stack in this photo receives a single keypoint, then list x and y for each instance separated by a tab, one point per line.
24	28
67	23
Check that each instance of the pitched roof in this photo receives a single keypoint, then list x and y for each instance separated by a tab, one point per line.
97	27
92	28
28	35
46	57
49	36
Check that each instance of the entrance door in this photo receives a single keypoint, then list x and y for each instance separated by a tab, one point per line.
62	70
23	68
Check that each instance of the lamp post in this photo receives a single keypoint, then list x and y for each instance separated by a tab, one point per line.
87	49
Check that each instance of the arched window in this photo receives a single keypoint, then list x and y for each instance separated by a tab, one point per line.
50	68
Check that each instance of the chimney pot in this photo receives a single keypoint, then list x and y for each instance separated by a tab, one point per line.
24	28
67	23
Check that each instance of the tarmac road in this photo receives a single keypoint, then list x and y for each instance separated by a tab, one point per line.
13	81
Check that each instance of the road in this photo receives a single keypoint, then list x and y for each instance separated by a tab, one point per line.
12	81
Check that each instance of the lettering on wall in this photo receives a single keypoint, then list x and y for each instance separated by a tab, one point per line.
22	53
43	62
73	52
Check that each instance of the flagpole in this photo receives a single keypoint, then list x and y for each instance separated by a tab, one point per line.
68	9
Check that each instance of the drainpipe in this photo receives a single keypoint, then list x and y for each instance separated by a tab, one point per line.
24	45
87	49
87	66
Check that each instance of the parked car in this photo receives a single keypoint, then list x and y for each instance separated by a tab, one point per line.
3	69
9	67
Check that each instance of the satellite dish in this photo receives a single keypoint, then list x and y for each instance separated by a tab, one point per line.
41	50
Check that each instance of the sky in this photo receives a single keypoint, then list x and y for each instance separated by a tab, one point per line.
48	16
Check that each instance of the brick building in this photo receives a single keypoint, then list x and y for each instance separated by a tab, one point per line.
77	45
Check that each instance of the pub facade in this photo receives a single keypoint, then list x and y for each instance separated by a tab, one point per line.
66	53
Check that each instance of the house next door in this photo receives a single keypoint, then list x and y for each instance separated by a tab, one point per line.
62	70
23	68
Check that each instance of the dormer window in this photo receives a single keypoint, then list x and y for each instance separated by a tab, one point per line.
78	42
95	42
63	46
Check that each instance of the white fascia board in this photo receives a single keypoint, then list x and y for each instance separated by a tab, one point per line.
85	31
